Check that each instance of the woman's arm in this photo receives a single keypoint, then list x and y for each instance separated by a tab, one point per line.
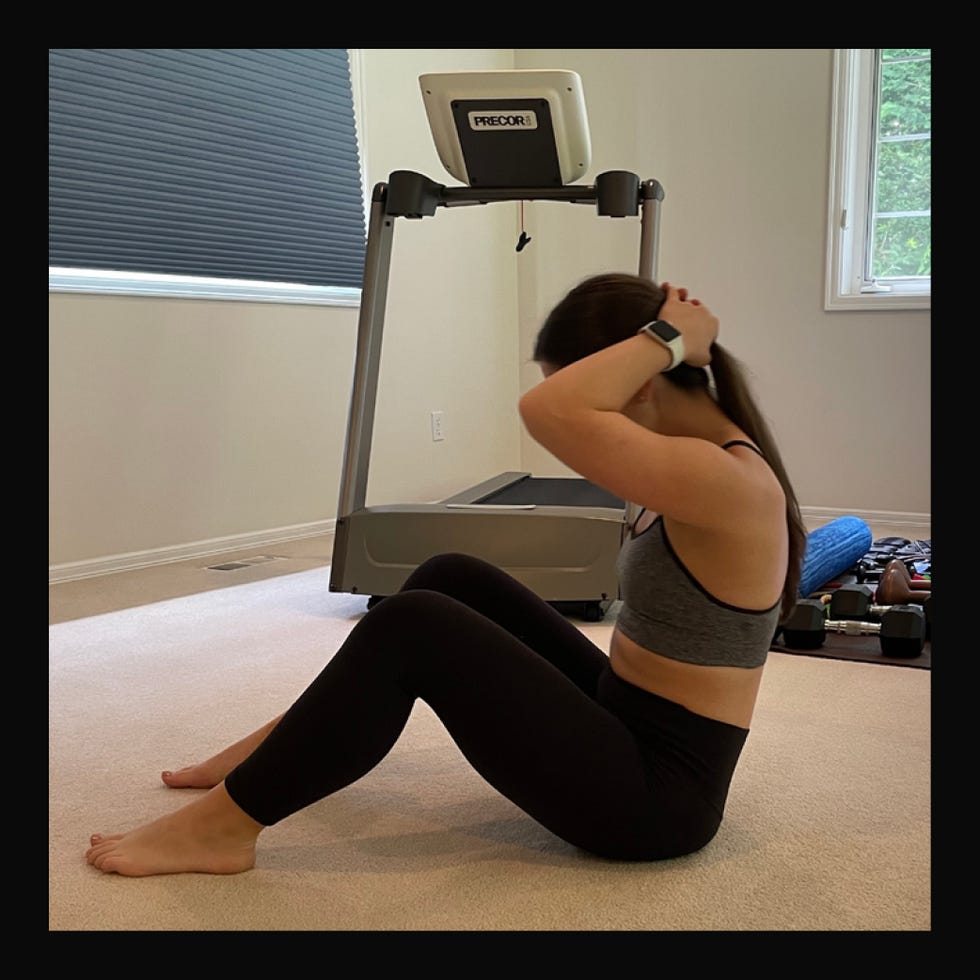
580	415
609	379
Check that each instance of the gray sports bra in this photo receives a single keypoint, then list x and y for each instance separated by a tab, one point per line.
666	610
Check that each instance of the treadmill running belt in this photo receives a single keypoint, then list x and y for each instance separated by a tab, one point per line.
554	491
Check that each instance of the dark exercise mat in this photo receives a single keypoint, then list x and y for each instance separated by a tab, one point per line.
867	649
917	556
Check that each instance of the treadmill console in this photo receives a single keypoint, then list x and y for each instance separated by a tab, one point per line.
522	128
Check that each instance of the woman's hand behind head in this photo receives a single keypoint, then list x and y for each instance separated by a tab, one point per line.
697	324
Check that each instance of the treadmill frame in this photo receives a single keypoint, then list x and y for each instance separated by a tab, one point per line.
566	554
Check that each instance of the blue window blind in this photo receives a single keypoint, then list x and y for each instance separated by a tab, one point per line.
228	163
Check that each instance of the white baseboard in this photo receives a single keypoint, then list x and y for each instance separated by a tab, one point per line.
162	556
918	526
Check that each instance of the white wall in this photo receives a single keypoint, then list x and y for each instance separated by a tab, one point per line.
175	423
740	141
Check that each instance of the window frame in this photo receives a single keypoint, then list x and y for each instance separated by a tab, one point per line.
103	282
852	154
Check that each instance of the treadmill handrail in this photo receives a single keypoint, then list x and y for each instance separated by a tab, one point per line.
617	193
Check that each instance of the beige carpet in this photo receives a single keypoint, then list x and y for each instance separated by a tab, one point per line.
828	823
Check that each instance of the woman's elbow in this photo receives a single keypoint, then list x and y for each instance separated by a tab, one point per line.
528	407
533	415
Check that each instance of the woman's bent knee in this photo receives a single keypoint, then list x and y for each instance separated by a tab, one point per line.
443	572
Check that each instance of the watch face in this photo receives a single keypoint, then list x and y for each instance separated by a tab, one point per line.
664	330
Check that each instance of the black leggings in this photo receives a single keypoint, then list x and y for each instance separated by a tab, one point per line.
529	700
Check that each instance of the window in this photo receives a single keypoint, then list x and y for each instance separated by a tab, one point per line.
221	173
879	245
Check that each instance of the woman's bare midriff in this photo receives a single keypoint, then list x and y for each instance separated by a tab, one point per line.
724	693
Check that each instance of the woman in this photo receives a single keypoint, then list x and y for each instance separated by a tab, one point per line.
627	755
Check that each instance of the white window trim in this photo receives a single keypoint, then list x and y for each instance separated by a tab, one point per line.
360	125
852	130
64	280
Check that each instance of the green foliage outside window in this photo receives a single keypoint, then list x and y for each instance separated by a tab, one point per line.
903	175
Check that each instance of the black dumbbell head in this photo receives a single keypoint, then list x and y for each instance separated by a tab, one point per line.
804	627
903	631
851	601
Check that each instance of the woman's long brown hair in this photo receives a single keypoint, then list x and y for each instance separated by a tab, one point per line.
608	308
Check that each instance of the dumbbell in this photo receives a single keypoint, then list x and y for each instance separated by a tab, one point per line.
860	601
901	632
855	601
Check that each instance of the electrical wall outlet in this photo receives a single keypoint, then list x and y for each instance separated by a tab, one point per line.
438	433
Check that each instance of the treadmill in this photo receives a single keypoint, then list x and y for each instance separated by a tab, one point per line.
507	136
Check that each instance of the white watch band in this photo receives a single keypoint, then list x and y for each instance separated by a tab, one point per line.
667	335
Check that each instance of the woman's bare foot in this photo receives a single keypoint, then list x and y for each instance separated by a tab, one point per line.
212	771
211	834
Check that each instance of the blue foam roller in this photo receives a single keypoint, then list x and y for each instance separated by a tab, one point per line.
831	550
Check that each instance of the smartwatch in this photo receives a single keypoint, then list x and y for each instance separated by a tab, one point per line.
669	336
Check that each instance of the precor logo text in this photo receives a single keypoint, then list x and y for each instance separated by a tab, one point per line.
492	119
